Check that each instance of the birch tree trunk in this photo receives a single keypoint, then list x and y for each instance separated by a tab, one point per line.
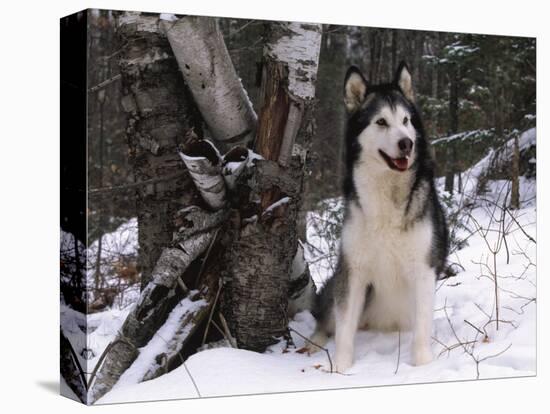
160	113
208	71
258	242
260	260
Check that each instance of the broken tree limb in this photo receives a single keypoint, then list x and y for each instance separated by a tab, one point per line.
260	259
195	230
204	164
203	58
297	45
192	238
182	322
291	59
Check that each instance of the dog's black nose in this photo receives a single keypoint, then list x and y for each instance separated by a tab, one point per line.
405	145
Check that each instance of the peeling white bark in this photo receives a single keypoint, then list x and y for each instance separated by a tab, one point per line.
234	163
204	165
203	58
291	61
298	45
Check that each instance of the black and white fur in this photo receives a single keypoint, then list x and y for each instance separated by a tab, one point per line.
394	236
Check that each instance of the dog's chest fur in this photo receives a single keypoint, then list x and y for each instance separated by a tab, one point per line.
384	250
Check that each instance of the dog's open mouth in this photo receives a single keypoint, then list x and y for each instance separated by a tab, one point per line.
399	164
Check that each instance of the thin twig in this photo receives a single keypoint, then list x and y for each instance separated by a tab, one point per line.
203	264
475	327
106	82
240	29
398	351
220	284
521	227
192	379
165	360
313	343
227	331
125	187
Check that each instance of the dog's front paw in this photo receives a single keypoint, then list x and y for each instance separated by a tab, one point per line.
342	362
422	356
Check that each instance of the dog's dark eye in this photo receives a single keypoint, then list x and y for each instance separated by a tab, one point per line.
382	122
405	121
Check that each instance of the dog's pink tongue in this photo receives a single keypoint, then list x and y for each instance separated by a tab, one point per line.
400	163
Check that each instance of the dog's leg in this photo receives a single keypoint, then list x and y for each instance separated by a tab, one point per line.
423	316
347	314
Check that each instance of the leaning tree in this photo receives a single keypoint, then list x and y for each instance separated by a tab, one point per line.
220	188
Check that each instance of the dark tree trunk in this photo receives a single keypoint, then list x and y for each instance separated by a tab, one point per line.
160	113
453	125
453	98
514	200
260	260
393	53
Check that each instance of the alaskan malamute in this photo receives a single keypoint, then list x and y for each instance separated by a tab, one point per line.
394	237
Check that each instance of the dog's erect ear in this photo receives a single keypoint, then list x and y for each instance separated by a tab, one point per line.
404	81
355	89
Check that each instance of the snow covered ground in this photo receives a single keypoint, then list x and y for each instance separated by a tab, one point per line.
466	342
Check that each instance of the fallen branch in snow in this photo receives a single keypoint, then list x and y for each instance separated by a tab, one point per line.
196	228
196	309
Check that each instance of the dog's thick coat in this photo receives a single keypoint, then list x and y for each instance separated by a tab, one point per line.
394	237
